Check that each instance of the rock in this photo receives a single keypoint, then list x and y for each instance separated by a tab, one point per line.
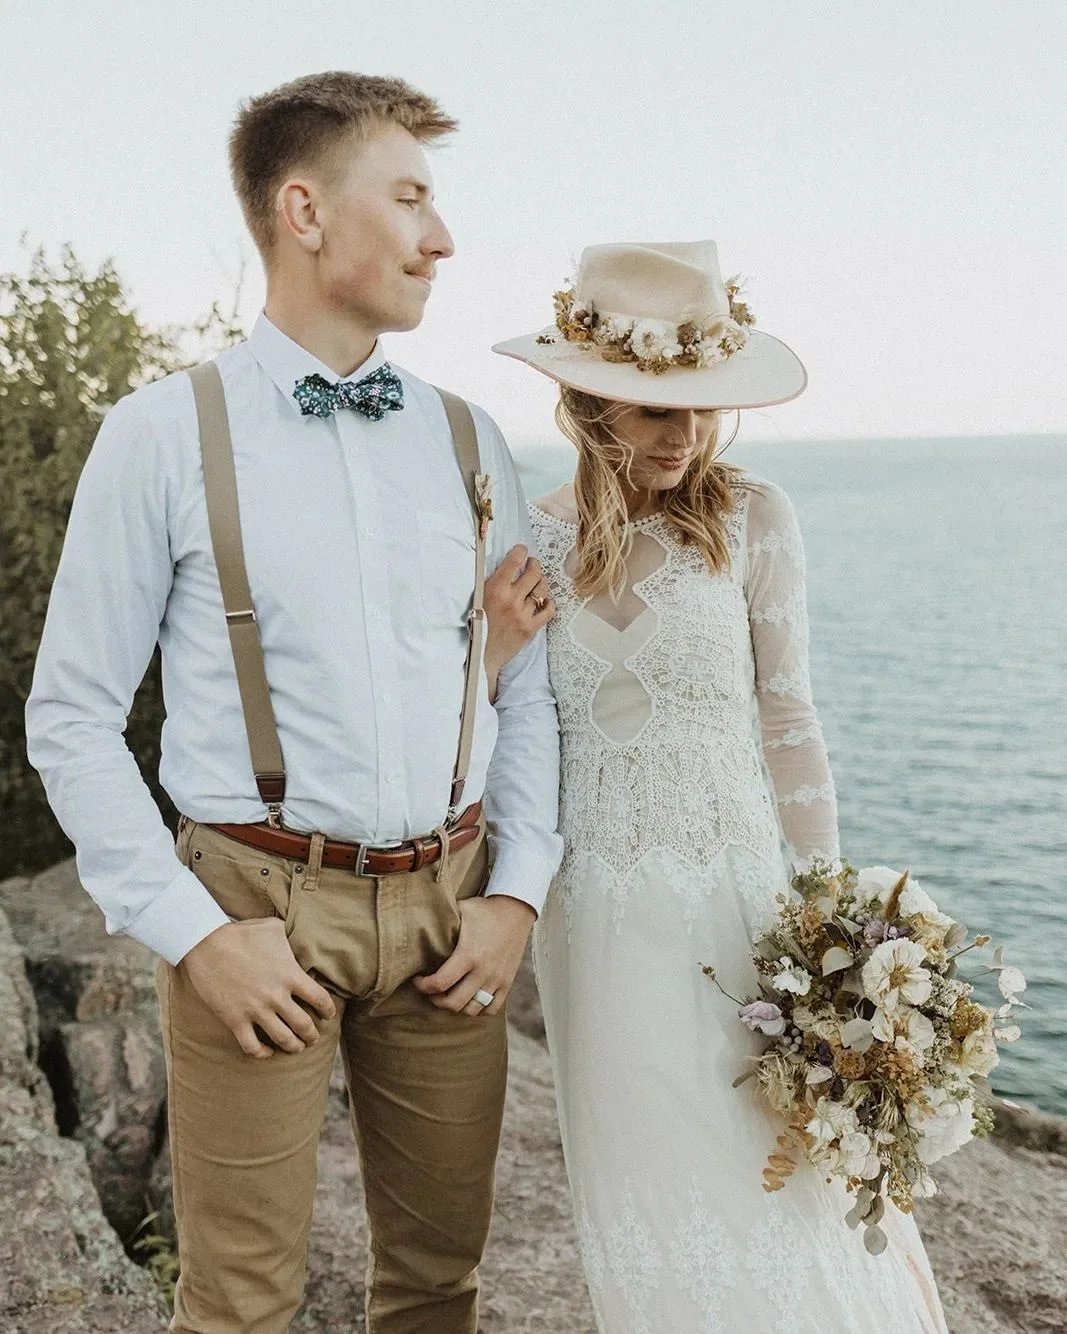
99	1034
996	1237
64	1269
112	1072
77	970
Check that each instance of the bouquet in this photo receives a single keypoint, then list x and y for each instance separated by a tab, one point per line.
878	1053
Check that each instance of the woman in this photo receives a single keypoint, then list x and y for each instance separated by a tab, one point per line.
678	585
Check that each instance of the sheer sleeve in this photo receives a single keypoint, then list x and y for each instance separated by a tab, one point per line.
778	618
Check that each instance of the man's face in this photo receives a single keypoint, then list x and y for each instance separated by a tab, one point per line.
381	235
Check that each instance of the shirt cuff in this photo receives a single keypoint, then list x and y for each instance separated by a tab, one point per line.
520	874
179	918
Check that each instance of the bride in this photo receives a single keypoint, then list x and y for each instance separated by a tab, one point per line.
678	584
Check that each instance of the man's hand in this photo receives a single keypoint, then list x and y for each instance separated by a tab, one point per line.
518	604
492	940
246	974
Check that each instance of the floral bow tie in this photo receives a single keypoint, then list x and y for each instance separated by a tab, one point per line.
373	396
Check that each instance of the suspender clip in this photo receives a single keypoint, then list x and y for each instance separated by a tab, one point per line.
241	617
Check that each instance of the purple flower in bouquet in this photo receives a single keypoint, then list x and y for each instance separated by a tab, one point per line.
876	931
763	1017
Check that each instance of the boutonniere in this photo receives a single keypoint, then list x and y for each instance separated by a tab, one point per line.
483	496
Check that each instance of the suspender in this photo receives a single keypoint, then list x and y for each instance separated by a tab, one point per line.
220	488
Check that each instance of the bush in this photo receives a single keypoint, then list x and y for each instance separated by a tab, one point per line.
70	347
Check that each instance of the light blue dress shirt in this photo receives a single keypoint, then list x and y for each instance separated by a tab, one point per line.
359	542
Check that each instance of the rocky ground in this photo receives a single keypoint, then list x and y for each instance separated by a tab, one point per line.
82	1162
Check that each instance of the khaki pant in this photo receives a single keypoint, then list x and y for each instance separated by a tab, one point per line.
426	1089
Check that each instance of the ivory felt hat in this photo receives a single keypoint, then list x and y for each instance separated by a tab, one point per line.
655	324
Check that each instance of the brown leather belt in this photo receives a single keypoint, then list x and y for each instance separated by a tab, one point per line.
409	855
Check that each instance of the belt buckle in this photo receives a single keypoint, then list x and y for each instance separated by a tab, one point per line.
365	850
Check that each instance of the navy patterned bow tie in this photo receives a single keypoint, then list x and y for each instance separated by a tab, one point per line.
374	395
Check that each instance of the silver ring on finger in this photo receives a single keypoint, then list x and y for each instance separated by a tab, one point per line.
483	998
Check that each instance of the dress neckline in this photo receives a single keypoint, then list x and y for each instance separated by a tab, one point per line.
637	525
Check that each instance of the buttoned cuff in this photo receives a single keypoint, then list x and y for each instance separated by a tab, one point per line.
179	918
521	875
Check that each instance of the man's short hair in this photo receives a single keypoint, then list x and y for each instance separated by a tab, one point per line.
302	123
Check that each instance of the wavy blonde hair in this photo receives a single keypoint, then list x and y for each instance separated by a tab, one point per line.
697	506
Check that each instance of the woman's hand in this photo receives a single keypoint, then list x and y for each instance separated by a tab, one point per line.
518	605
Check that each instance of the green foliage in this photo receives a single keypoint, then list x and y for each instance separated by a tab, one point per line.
156	1253
70	347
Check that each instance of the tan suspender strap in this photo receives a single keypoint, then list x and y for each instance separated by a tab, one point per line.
465	441
224	521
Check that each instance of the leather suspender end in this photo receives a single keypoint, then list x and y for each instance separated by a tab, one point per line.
271	788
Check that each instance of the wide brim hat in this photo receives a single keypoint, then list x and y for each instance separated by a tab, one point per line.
697	347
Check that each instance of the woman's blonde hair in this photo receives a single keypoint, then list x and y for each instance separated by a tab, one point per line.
697	506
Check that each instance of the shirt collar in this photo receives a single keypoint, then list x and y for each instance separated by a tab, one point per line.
286	362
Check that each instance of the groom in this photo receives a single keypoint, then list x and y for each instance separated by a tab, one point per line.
344	898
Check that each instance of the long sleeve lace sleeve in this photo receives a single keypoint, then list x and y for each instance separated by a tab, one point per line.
792	737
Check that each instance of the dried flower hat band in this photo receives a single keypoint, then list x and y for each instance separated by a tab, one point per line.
651	344
655	324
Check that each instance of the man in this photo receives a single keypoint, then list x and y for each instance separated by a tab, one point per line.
346	899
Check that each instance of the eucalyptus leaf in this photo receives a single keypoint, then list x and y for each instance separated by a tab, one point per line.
854	1217
741	1079
876	1212
874	1240
835	960
858	1034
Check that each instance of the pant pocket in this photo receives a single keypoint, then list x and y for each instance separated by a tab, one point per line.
244	887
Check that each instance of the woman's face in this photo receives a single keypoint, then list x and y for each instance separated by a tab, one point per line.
665	441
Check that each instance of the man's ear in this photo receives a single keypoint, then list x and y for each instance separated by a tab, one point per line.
297	210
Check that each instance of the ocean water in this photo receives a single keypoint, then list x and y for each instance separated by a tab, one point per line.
937	589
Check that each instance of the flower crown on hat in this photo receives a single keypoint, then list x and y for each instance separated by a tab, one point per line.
653	345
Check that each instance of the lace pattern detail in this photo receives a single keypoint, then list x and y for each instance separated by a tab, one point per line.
704	1262
804	796
795	1269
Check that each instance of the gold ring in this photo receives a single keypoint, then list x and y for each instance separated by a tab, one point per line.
540	603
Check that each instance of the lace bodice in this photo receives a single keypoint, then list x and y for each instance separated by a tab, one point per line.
659	692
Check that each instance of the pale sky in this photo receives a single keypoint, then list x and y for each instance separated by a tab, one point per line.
888	174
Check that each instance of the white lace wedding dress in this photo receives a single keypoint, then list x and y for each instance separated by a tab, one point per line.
673	857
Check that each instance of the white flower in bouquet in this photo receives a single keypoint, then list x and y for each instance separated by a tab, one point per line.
943	1121
655	340
858	1156
791	977
978	1054
831	1121
915	900
894	973
904	1025
875	883
827	1028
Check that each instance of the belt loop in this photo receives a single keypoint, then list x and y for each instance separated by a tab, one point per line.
311	880
445	836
